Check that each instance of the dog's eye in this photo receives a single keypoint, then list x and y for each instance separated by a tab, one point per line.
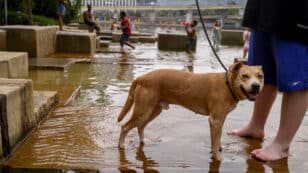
260	76
245	76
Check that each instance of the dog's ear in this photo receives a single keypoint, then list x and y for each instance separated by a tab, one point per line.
235	67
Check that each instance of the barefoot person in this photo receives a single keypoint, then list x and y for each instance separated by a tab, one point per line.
126	31
279	43
246	37
191	34
89	19
216	34
61	10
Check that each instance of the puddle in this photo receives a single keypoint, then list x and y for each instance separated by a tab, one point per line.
82	137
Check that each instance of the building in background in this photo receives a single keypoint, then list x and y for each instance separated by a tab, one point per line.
110	3
132	3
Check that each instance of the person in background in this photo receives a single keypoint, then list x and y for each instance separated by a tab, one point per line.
246	37
126	31
113	26
89	19
216	35
191	34
61	10
278	42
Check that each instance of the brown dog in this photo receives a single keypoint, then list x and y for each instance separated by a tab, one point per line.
213	94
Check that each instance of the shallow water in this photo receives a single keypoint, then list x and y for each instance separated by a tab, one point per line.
82	137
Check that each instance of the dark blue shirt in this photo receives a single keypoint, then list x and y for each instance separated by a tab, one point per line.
286	18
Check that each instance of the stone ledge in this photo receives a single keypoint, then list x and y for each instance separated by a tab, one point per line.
13	65
50	63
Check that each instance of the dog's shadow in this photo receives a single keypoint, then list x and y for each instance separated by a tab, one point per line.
147	162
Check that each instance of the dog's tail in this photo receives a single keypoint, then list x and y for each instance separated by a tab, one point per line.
129	101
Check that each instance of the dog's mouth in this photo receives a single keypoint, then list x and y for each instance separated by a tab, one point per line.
251	95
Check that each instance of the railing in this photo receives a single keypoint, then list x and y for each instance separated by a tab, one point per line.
166	8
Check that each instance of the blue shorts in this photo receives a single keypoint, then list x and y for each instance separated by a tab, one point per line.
124	37
284	62
191	44
61	10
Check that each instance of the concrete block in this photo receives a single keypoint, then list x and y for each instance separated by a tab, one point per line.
44	102
19	114
76	42
134	39
116	36
13	65
3	39
147	39
38	41
172	41
232	37
242	60
104	43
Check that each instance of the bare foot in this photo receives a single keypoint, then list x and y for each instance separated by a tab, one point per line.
247	132
272	152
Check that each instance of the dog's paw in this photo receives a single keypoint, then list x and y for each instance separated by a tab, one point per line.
121	146
217	156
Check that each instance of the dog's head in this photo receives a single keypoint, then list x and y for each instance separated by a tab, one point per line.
246	81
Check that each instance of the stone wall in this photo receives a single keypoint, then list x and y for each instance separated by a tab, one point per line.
38	41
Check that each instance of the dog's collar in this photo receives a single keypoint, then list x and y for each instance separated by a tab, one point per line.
230	89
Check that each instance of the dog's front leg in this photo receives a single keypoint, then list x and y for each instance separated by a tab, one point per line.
216	123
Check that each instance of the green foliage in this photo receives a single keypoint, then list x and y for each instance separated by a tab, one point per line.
21	18
43	21
46	8
45	12
72	11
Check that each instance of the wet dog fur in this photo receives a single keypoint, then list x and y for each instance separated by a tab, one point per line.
212	94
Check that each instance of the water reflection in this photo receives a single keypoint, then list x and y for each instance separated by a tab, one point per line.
147	162
214	166
253	165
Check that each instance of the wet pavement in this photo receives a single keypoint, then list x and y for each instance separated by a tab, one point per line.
82	137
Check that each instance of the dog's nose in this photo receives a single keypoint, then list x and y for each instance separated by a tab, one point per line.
255	87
